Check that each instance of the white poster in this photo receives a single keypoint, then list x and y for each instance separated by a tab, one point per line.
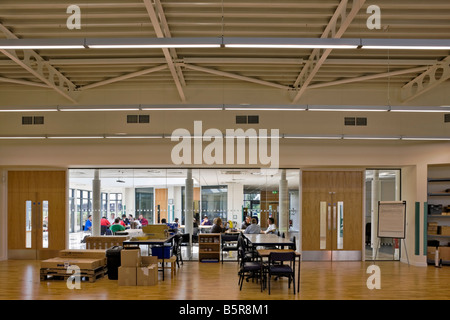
391	219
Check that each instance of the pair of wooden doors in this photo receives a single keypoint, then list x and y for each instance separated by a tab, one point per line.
36	214
332	215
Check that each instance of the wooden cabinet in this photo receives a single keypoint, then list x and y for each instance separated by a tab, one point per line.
209	247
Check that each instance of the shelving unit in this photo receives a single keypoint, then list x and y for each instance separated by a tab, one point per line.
209	247
438	228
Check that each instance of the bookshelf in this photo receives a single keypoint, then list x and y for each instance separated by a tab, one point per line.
209	247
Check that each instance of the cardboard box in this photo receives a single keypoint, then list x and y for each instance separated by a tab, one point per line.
148	260
444	253
82	263
127	276
445	230
83	253
130	258
147	276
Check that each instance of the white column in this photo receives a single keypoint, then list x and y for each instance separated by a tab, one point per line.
189	207
283	204
376	191
96	204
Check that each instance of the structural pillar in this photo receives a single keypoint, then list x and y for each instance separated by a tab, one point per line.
96	204
283	204
189	208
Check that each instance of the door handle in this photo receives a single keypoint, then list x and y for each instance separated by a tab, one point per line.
329	217
334	216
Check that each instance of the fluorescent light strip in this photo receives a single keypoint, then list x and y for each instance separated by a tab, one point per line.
21	137
12	44
313	137
345	137
426	138
406	44
420	109
119	136
75	137
349	108
292	43
153	43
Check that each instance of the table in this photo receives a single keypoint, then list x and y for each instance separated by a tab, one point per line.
150	242
264	253
262	239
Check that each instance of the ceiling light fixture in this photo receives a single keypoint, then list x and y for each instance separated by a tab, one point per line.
142	43
292	43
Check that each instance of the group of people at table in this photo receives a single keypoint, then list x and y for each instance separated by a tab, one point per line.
117	224
249	226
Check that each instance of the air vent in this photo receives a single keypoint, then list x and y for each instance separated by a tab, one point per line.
241	119
253	119
39	120
134	118
247	119
28	120
447	117
351	121
361	121
145	118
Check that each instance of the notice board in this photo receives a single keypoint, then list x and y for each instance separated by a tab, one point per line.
392	219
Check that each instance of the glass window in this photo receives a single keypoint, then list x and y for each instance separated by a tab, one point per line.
214	202
144	203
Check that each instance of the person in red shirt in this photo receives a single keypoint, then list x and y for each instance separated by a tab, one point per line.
143	221
104	222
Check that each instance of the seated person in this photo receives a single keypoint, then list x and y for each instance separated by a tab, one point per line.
217	226
117	226
254	228
272	228
246	222
205	221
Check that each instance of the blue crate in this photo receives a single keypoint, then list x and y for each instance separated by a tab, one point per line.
159	251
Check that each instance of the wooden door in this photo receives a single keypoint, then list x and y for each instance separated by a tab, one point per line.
161	207
332	214
36	214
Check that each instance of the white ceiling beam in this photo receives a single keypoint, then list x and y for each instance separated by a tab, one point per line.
236	76
24	82
429	79
333	30
368	77
167	34
124	77
35	64
159	33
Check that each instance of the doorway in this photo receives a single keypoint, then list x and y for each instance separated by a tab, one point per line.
36	214
332	215
381	185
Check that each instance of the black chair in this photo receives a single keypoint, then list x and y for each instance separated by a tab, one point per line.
245	251
229	243
281	264
294	247
250	270
178	242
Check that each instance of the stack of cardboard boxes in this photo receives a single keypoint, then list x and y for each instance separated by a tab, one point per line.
137	270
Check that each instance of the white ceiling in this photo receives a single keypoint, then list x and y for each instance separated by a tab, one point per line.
163	178
294	71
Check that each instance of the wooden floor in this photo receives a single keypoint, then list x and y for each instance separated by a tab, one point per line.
209	281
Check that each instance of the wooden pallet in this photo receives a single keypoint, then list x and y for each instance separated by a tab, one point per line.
61	274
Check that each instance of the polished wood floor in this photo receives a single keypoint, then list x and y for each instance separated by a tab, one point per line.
209	281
